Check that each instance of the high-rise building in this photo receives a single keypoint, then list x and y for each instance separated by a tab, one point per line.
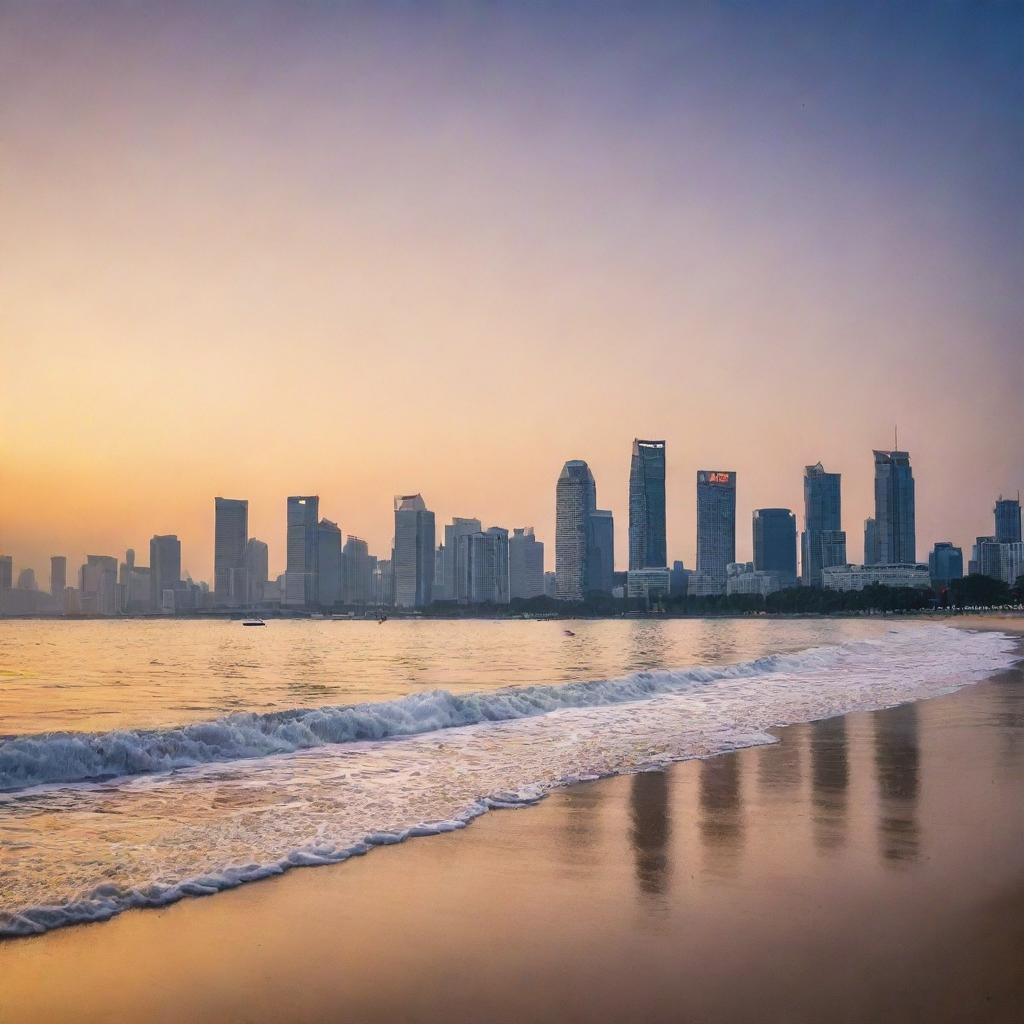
525	564
575	503
894	508
27	580
716	524
453	572
822	515
6	572
328	564
440	590
1007	517
383	581
601	552
984	557
97	585
300	578
483	567
257	569
357	575
945	563
230	536
647	505
413	559
58	575
775	543
164	567
871	553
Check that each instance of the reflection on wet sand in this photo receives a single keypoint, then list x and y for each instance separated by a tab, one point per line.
779	767
830	777
580	838
721	822
650	830
897	762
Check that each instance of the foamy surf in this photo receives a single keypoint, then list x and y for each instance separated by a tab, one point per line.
332	783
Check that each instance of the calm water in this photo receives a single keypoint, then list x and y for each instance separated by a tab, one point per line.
146	761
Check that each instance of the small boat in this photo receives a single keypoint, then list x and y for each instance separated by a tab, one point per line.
253	622
568	632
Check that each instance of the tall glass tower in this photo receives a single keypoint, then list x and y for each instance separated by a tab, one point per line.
647	505
823	541
575	503
894	508
716	522
1007	513
775	542
230	536
413	561
301	578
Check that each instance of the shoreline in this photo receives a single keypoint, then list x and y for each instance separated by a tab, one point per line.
250	912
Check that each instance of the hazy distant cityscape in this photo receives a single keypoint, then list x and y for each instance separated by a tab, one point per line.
471	565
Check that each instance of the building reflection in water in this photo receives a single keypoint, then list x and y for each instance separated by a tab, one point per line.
779	766
650	829
721	819
897	761
579	839
830	778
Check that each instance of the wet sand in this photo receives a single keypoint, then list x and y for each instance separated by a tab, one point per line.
866	868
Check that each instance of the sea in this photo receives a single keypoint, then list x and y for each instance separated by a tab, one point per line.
144	761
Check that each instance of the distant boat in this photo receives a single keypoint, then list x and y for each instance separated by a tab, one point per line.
253	622
568	632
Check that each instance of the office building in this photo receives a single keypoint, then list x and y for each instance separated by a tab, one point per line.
575	504
484	568
823	542
551	585
328	563
440	590
357	574
775	543
649	584
984	559
678	579
716	526
601	551
301	585
895	516
1011	562
230	536
58	575
525	564
27	580
887	574
1007	520
6	572
746	578
164	567
257	571
945	563
647	506
383	582
453	572
97	585
871	552
413	559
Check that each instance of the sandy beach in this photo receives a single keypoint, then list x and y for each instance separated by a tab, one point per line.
865	868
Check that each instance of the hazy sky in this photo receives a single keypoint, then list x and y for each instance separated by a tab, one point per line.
266	249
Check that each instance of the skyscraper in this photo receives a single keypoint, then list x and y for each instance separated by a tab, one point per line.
894	508
413	561
97	584
716	523
300	578
775	543
870	541
357	575
483	567
945	563
647	505
164	567
257	569
230	535
1007	516
58	575
6	572
328	563
601	551
525	564
823	542
458	527
575	502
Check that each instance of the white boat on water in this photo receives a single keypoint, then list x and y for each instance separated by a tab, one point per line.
253	622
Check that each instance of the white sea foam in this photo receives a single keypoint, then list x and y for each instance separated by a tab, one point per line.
256	795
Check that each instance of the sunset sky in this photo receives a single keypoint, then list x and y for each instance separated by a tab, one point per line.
253	250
